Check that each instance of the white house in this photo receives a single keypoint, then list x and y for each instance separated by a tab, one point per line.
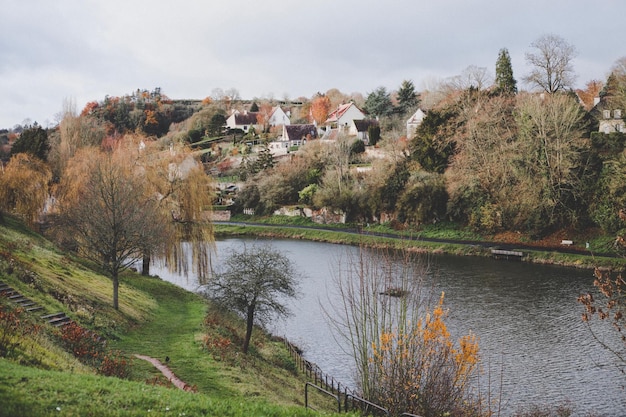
278	117
243	121
293	135
343	117
413	122
612	122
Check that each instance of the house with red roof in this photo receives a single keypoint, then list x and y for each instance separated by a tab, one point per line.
343	118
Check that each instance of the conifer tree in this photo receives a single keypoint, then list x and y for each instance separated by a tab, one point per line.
505	83
407	97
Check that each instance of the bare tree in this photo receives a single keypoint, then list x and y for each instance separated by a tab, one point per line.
472	77
252	283
106	215
552	64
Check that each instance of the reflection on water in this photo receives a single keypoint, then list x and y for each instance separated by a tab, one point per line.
534	346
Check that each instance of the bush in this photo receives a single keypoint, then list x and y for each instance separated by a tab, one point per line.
13	326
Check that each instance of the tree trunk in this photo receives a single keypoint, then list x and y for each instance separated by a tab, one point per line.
145	265
116	285
249	325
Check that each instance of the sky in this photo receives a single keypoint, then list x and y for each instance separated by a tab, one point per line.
59	52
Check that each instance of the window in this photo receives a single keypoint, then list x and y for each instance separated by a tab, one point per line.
606	114
617	114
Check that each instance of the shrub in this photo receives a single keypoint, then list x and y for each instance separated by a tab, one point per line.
13	326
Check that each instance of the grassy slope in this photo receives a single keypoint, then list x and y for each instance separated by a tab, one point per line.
156	319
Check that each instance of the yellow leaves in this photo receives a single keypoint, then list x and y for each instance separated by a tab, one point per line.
24	186
408	364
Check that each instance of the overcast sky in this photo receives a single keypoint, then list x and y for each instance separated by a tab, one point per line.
52	51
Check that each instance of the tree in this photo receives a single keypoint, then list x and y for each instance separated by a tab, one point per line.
407	97
552	64
24	187
105	212
253	283
472	77
550	159
590	93
378	103
405	358
608	305
505	83
429	147
34	141
320	107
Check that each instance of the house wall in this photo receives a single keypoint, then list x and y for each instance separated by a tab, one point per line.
346	119
279	118
413	123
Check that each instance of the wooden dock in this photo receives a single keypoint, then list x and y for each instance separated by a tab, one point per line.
507	254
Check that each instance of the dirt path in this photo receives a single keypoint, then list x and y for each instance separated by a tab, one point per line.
167	372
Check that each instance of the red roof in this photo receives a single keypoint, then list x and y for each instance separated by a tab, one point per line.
336	114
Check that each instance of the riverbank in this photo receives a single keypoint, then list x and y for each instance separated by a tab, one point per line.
539	252
40	377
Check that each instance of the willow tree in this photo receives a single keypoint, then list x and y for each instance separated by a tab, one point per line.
24	187
137	200
185	196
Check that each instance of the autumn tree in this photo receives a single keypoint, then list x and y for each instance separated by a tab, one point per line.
105	213
406	360
589	94
74	132
254	282
24	187
264	114
551	63
607	305
158	197
320	107
505	83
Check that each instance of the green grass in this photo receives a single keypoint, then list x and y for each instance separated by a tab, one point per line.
26	391
155	319
443	231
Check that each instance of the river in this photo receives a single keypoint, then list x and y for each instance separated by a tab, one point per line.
534	347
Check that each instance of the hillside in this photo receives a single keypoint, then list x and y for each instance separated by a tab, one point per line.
39	376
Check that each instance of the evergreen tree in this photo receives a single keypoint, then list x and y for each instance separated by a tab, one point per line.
34	141
407	97
378	103
505	83
265	159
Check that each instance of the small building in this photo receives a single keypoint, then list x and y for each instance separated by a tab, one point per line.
611	121
343	118
243	121
413	123
362	128
279	117
293	135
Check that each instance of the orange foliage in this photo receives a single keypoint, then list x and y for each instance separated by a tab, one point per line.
591	91
423	365
89	108
320	107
